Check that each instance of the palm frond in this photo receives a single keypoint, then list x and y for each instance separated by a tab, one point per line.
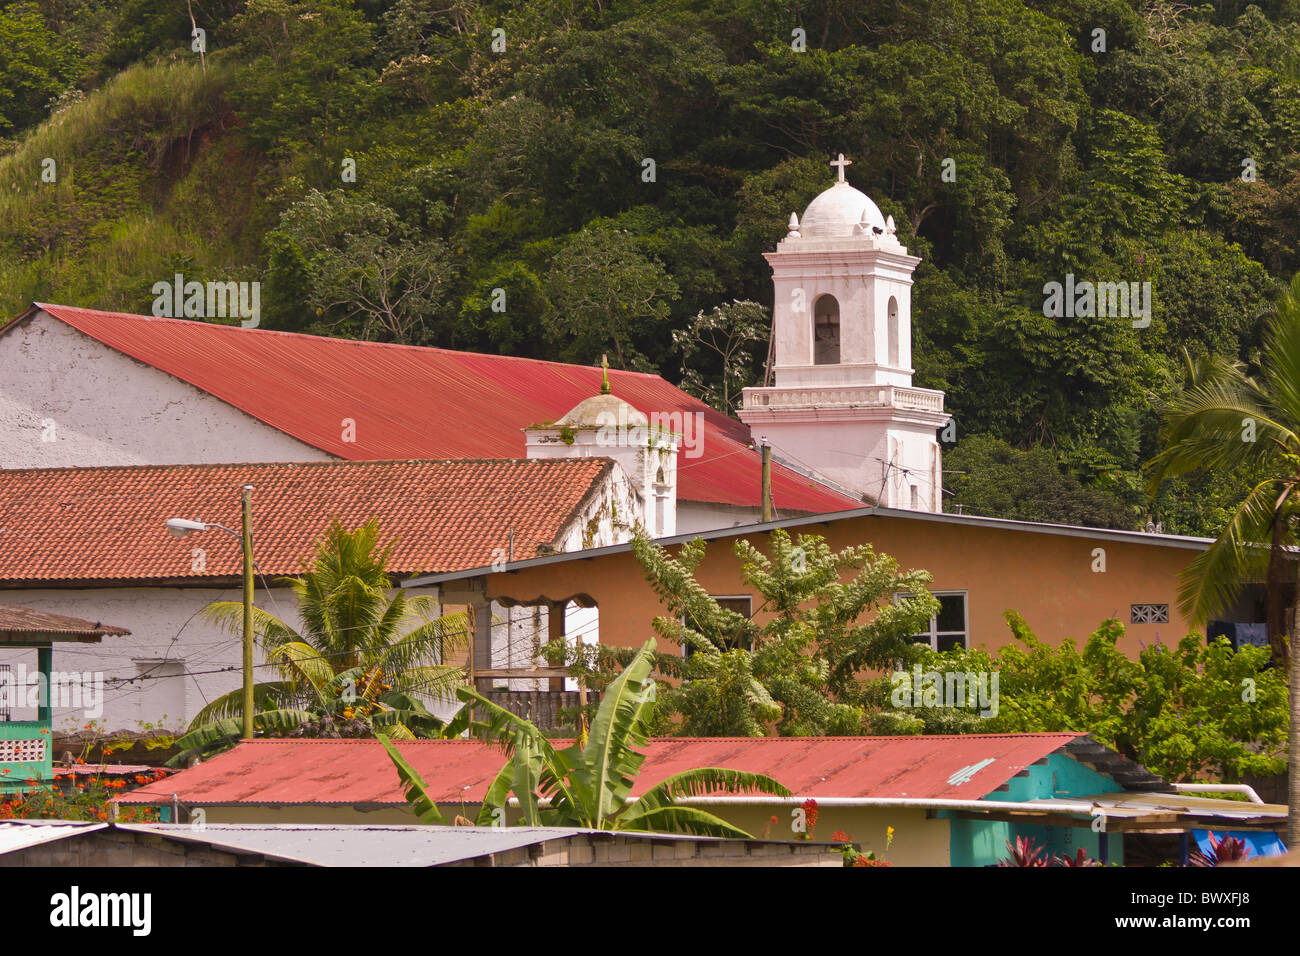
1214	578
1281	354
1217	427
436	682
232	704
300	663
413	786
690	820
432	641
268	629
219	735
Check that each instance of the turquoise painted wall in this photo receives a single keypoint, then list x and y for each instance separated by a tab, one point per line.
983	843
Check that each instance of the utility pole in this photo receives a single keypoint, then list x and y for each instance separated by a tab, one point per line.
247	501
767	481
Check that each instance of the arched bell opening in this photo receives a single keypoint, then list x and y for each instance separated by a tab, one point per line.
826	331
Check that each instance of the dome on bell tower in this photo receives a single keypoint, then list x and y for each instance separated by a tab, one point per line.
836	212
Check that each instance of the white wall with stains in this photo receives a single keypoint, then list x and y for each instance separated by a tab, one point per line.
67	400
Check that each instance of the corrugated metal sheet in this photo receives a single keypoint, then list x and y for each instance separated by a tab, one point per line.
411	402
349	772
355	845
1142	805
20	835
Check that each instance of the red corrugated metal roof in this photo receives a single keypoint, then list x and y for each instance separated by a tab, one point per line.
347	772
411	402
80	524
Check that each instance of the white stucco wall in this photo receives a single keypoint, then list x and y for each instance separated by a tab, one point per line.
157	619
698	516
164	627
67	400
863	278
605	516
852	452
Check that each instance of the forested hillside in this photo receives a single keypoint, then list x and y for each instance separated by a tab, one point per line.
384	168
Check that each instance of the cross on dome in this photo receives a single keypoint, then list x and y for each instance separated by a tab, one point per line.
841	163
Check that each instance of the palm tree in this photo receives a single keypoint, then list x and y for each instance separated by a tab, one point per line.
587	784
1229	421
367	656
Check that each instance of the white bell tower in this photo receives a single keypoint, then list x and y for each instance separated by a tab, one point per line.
842	405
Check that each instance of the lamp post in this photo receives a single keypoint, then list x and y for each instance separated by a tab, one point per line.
179	528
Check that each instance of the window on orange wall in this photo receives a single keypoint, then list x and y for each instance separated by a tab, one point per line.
950	628
742	604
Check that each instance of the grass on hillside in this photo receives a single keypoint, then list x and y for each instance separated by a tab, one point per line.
151	177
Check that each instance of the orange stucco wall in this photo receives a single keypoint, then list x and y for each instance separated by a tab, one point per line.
1048	578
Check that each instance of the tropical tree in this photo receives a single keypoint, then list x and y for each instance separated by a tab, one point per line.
1179	709
367	657
588	783
794	665
727	337
1233	422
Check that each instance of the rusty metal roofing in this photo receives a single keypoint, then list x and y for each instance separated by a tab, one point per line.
108	523
359	772
19	622
412	402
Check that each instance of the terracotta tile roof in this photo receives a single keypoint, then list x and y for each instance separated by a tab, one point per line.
411	402
23	620
78	524
347	772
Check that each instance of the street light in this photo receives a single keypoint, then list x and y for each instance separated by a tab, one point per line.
179	528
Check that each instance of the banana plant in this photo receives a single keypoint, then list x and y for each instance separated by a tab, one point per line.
588	783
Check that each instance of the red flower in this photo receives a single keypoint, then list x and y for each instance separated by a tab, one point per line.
839	836
810	812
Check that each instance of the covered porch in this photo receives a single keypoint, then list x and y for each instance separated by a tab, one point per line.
25	745
520	648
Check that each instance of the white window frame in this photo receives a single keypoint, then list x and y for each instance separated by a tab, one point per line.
935	633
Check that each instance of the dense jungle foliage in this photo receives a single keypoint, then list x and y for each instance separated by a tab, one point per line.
383	167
